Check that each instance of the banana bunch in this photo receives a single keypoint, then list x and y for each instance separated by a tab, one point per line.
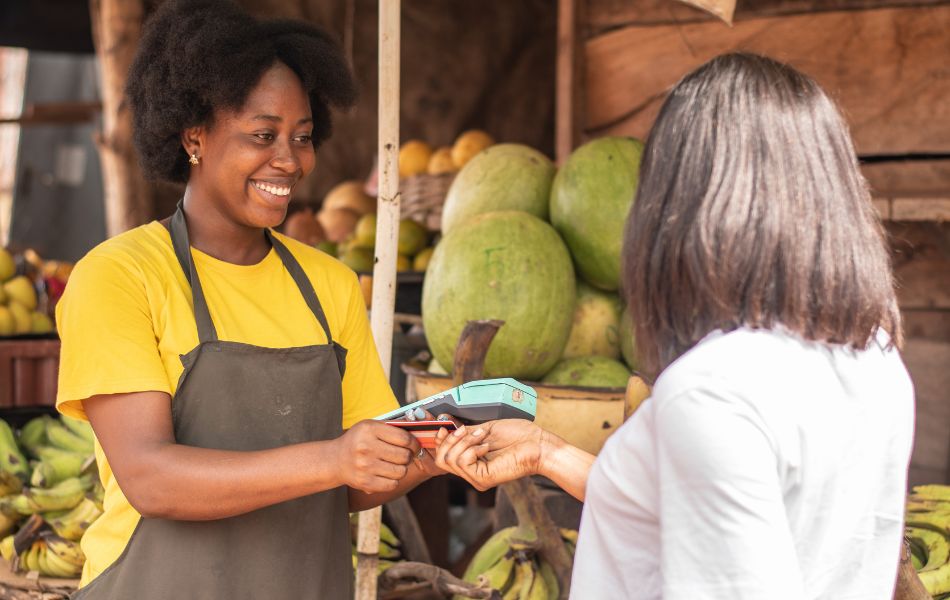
507	562
48	474
927	530
389	545
50	556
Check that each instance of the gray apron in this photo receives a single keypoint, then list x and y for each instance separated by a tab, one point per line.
234	396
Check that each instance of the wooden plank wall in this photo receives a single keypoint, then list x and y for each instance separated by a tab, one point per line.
886	63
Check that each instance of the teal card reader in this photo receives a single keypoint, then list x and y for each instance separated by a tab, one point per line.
477	402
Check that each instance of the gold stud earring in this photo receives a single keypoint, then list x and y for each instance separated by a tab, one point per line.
194	159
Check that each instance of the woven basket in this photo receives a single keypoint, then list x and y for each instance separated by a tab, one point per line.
422	197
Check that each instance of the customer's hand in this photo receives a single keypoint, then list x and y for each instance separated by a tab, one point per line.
372	456
491	453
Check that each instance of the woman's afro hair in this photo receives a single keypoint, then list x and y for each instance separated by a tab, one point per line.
198	56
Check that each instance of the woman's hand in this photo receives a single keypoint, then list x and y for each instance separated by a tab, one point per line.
373	457
492	453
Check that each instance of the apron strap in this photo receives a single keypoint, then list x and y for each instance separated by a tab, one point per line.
302	281
179	234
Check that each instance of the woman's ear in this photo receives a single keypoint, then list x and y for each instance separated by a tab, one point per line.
192	140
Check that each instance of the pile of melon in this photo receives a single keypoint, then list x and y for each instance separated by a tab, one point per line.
539	248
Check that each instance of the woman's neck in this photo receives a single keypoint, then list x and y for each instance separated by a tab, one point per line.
216	234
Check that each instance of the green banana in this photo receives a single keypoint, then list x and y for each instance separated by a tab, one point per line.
33	434
514	592
936	581
12	459
65	494
386	535
387	551
6	548
74	523
7	523
550	579
57	467
62	438
490	553
935	544
382	565
80	428
539	587
20	504
68	550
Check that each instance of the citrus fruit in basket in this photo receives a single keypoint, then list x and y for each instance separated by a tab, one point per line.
365	233
7	322
590	199
338	223
596	327
359	259
21	318
421	261
503	177
20	289
7	265
503	265
469	144
413	158
589	371
441	162
413	237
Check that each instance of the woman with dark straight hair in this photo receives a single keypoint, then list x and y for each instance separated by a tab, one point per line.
771	459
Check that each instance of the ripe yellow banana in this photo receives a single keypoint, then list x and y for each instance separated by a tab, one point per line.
57	567
7	550
932	492
539	587
501	575
10	484
935	545
54	469
387	551
68	550
7	523
30	559
514	592
490	553
936	581
528	576
65	494
75	522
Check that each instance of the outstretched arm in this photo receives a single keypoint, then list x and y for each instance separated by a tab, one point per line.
498	451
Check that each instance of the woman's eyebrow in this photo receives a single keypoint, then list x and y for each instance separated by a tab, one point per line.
277	119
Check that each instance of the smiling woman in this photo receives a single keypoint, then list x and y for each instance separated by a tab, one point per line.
228	371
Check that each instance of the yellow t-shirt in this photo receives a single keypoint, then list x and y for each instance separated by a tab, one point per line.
126	317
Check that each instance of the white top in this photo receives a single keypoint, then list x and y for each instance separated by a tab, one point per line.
763	466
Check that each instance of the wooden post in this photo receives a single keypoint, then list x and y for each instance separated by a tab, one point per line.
384	271
569	79
117	28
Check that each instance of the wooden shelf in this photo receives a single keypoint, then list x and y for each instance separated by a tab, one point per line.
907	208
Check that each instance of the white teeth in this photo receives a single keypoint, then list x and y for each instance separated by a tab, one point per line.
277	190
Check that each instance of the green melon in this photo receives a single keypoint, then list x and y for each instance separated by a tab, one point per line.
501	177
589	371
628	341
504	265
590	199
596	327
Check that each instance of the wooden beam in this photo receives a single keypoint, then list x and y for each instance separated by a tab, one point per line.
908	177
604	15
886	68
568	79
117	27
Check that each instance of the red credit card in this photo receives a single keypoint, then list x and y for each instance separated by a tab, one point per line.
424	431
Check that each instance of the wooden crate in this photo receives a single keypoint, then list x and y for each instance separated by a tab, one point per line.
28	372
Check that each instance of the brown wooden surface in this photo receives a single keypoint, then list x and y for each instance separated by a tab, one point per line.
921	258
28	372
908	177
887	69
568	102
611	14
